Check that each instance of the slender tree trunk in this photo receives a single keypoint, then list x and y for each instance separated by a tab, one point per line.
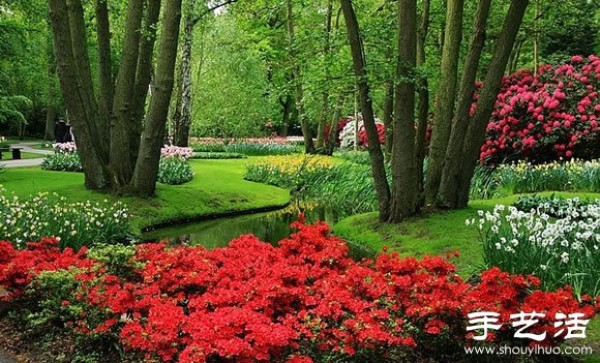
325	114
423	101
105	84
50	119
337	115
377	163
444	105
146	169
75	95
447	195
309	146
404	201
388	115
143	76
120	160
184	122
476	131
286	110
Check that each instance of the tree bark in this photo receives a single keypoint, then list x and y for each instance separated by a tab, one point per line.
447	195
444	105
476	131
337	115
120	159
95	172
325	114
146	170
388	115
184	121
423	101
309	146
377	162
404	201
52	93
105	84
143	76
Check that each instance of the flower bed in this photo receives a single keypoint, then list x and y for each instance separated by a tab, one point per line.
304	301
288	171
559	251
78	224
64	158
573	175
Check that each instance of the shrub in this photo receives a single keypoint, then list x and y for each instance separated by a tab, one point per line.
78	224
304	301
559	252
256	149
544	117
218	155
347	134
209	148
174	171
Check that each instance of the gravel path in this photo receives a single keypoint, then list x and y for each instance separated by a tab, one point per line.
5	358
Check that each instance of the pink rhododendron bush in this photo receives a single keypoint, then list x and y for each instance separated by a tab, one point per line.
304	301
544	117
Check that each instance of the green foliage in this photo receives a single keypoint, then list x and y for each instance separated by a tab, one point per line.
62	161
218	155
209	147
484	184
567	176
78	224
174	171
13	111
116	258
359	157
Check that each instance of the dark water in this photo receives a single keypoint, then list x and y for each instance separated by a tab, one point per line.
268	227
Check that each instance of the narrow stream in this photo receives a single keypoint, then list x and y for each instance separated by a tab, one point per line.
268	227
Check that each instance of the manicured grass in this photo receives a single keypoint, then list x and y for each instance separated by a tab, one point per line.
430	235
217	187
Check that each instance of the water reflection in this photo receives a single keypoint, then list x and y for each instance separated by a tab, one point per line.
268	227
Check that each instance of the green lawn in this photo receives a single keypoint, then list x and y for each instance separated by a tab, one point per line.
7	156
217	187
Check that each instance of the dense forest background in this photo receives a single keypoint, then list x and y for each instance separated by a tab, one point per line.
242	59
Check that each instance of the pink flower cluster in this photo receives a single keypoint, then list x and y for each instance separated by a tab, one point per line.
554	114
169	151
65	147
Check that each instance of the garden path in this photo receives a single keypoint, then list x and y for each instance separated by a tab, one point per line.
26	162
5	358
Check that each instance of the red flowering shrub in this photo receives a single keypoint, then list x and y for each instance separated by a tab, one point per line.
295	303
555	114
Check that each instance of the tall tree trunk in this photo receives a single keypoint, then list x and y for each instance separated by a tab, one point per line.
476	131
143	76
286	110
358	60
146	169
52	93
444	105
447	195
184	121
309	146
388	102
95	172
404	201
325	114
423	101
120	160
105	84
